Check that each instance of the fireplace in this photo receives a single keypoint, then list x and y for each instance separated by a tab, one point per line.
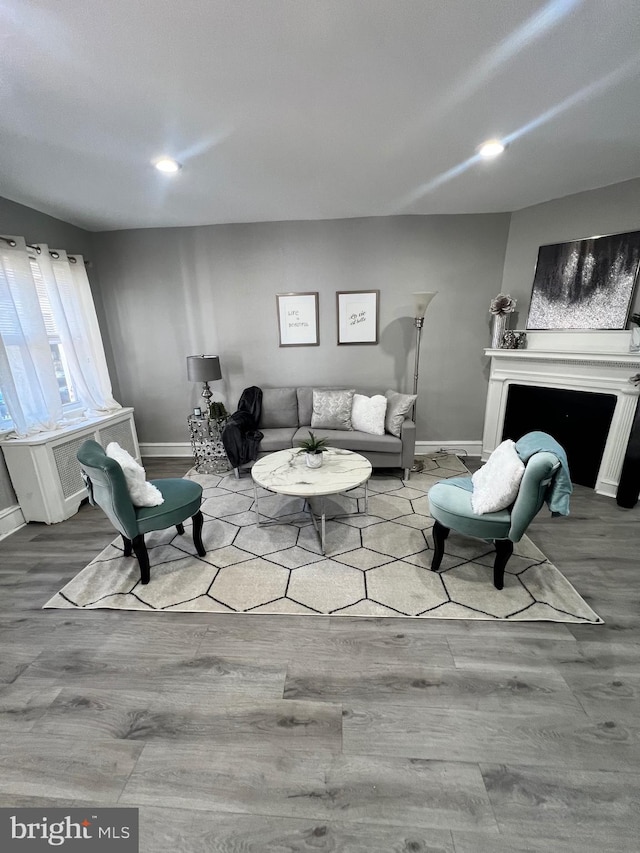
575	385
578	420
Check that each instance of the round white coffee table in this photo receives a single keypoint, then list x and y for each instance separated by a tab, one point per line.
285	472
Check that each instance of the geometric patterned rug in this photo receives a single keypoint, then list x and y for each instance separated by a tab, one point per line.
376	564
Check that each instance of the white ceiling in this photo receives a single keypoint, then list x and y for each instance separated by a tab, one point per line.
312	109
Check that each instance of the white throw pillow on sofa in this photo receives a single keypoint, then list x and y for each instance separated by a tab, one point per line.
141	492
367	413
496	484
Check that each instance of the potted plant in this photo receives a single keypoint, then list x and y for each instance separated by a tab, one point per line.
218	412
313	447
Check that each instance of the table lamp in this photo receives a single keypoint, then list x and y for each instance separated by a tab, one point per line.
205	369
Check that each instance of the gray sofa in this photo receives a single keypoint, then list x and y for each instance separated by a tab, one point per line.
286	419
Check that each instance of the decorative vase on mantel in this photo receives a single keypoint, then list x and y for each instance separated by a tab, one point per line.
498	328
500	307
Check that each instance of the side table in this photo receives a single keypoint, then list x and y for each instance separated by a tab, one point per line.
208	451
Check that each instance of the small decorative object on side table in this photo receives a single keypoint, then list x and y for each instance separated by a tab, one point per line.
209	456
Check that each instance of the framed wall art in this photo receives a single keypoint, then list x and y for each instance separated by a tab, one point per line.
298	319
358	318
585	284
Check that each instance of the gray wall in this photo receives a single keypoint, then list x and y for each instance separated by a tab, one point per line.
170	293
18	220
609	210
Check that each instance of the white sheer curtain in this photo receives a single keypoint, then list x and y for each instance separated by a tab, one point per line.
67	285
27	373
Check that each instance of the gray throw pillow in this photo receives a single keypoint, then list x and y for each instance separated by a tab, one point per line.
279	408
332	409
398	407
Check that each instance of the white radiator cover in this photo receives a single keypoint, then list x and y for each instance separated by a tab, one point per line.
44	470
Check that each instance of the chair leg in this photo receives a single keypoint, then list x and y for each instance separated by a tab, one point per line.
180	529
504	549
440	533
140	550
198	521
128	547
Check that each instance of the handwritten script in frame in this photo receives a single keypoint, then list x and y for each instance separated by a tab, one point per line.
358	316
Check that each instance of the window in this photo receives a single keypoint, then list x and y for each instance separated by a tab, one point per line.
52	364
68	395
5	420
60	365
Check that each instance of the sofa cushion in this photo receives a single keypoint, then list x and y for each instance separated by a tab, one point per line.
368	413
277	439
398	407
279	408
332	409
353	440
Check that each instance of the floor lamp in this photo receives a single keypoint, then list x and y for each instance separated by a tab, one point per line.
421	303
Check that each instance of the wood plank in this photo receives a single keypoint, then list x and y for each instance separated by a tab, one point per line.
268	781
540	841
528	799
182	718
189	831
148	671
551	739
430	687
37	765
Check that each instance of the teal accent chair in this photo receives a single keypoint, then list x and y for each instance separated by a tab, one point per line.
107	489
450	506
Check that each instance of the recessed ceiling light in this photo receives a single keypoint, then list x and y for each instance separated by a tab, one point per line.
491	148
167	164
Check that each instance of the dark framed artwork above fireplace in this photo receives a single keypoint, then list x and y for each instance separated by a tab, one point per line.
585	284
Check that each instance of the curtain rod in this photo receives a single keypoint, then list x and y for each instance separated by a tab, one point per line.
37	249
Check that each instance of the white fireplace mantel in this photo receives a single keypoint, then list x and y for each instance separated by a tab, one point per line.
597	362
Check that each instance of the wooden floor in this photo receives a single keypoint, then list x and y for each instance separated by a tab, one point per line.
282	733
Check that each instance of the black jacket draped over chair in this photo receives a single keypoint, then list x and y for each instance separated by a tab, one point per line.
240	435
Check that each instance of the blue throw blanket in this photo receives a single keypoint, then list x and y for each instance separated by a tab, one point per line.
561	487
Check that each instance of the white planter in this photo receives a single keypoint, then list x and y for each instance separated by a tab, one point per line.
314	460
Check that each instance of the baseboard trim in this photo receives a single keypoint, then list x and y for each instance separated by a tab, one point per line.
171	448
471	448
11	519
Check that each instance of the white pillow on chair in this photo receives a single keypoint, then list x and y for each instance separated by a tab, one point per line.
496	484
141	492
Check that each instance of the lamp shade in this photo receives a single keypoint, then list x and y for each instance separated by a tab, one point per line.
203	368
421	302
